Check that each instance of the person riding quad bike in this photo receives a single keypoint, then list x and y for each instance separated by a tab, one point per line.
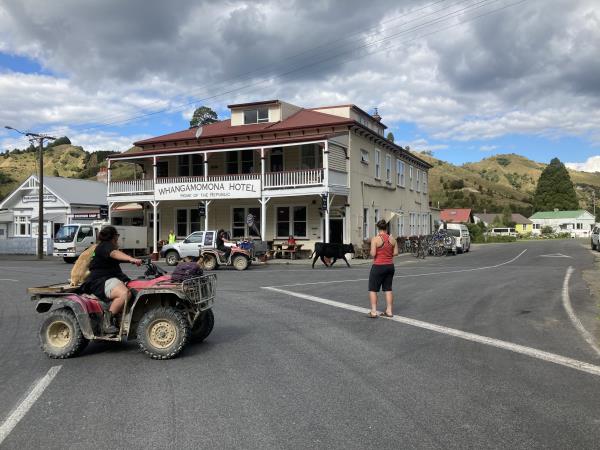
106	279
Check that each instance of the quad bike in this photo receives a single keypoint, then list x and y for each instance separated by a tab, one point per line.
240	258
163	316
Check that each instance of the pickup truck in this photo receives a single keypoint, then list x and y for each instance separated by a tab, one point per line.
198	241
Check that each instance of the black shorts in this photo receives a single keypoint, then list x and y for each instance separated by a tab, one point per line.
381	277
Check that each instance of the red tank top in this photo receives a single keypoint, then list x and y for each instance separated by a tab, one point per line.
385	253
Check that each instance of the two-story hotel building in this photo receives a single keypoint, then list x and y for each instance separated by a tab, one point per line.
320	174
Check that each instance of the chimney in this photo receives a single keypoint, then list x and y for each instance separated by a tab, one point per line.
376	116
102	175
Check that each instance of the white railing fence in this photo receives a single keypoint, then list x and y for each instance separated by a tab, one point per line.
131	186
293	178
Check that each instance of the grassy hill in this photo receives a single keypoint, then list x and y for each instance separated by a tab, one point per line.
499	181
62	160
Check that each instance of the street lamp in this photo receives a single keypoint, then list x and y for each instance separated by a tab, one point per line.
36	137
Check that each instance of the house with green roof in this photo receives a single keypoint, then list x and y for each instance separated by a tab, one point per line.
578	223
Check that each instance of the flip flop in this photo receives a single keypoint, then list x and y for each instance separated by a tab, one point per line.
385	314
372	316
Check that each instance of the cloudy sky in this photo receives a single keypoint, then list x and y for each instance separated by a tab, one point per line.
466	79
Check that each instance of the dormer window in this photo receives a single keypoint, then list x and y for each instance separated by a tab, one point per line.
258	115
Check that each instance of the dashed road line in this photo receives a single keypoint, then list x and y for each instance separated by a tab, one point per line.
574	319
20	411
516	348
406	276
9	279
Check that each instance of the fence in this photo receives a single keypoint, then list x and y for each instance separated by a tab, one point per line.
24	246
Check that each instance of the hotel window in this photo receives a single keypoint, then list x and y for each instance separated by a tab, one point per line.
399	173
377	164
162	169
187	221
418	180
364	156
258	115
291	220
231	163
424	182
308	156
376	215
190	165
412	224
401	226
239	228
410	177
365	223
388	168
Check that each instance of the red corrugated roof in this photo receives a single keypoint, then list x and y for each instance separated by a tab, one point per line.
459	215
302	119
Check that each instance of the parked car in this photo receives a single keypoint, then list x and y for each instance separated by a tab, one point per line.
594	238
460	233
190	246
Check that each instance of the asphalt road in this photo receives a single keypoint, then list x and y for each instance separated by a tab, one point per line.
305	368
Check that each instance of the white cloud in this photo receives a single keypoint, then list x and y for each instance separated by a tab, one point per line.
592	164
526	70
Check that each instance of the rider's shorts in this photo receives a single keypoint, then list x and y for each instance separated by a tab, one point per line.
109	285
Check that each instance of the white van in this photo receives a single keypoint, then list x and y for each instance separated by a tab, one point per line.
460	233
503	232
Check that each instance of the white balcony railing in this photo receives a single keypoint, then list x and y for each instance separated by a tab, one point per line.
143	186
294	178
236	177
272	180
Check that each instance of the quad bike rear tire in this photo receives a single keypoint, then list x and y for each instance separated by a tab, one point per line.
61	336
172	258
210	262
203	326
240	262
163	332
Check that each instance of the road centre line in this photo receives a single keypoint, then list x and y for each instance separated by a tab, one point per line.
574	319
20	411
9	279
516	348
405	276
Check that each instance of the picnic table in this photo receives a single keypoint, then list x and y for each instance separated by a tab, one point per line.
284	249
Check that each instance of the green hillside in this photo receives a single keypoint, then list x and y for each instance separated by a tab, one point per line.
496	182
62	160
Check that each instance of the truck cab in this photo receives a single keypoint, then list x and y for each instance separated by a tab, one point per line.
72	239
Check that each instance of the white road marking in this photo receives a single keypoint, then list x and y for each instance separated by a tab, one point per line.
555	255
574	319
20	411
407	276
521	349
9	279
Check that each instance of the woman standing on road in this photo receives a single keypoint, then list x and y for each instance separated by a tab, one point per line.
383	250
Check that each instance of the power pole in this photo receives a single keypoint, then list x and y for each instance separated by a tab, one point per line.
38	138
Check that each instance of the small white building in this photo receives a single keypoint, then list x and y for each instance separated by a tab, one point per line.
578	223
66	200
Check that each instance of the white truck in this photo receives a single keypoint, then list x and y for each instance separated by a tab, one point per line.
73	238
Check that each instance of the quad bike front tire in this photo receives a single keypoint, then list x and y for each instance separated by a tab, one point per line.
203	326
172	258
61	336
210	262
163	332
240	262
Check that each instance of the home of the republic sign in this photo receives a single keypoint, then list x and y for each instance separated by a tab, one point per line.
208	190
